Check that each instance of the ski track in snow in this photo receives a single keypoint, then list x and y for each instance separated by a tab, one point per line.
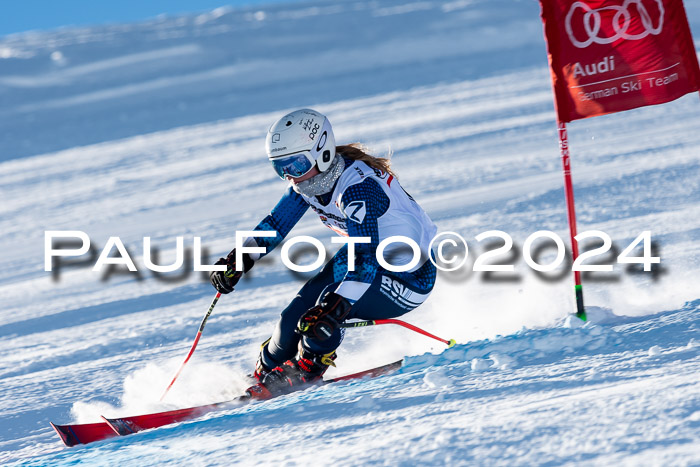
475	145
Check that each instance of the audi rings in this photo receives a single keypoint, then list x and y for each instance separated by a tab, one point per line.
619	25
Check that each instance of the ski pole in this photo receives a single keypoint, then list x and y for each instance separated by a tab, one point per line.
194	344
361	324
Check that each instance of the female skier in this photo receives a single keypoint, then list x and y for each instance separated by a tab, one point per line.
355	195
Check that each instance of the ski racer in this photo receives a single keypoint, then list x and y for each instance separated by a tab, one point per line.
356	195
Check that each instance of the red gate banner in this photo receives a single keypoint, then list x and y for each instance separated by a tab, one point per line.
613	55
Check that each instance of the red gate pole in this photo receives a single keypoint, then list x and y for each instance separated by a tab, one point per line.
569	190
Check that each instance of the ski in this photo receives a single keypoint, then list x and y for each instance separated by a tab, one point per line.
86	433
129	425
83	433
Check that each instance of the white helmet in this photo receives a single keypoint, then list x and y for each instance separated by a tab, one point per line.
299	141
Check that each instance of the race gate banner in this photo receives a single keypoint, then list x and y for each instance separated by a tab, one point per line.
613	55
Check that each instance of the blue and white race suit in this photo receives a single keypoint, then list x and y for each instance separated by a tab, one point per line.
365	202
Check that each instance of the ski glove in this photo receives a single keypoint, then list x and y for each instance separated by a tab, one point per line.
321	321
224	281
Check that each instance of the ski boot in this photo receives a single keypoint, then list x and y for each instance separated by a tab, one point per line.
303	370
260	371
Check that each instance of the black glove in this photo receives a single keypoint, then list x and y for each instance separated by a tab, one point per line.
321	321
224	281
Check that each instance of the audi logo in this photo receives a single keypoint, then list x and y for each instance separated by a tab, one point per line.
620	19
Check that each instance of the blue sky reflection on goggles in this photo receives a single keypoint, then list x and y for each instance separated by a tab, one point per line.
294	165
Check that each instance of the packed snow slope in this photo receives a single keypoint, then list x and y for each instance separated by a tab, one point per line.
157	130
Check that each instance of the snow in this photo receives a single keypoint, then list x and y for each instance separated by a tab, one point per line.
156	129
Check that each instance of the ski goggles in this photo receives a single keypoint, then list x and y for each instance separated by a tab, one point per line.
293	165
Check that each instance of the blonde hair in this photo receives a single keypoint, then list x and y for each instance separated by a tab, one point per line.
358	152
